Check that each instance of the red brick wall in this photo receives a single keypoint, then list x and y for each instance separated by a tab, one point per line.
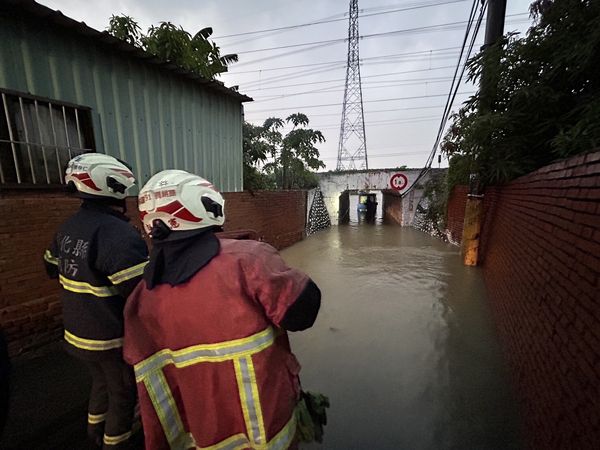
392	208
455	214
279	217
541	262
30	312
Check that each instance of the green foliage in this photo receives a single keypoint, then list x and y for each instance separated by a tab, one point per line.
125	28
172	43
458	171
256	150
547	102
287	160
435	195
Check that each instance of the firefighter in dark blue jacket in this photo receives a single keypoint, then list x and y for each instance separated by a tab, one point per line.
98	258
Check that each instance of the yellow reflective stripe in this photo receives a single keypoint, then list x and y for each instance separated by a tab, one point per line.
115	440
49	258
85	288
128	274
168	415
281	441
92	344
219	352
94	419
243	396
166	410
239	351
236	442
251	407
284	438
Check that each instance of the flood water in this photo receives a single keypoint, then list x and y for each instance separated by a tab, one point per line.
404	345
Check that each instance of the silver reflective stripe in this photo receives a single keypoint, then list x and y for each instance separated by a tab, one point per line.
233	443
251	407
205	353
166	410
128	274
284	438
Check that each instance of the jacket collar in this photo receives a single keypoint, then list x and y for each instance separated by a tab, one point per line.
103	208
176	260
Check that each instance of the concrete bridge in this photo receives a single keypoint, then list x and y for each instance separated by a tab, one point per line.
340	192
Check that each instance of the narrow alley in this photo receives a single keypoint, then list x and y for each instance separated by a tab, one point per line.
404	345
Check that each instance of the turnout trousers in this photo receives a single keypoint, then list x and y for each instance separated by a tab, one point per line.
112	403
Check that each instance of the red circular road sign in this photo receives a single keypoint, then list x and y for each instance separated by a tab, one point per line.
398	181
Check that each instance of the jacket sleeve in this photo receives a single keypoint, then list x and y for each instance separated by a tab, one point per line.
290	299
122	255
51	259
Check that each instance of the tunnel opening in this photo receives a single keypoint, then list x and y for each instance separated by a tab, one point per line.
360	206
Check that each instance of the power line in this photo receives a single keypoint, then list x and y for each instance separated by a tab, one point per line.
340	61
302	73
375	111
454	87
382	123
385	155
330	89
442	26
365	101
397	120
326	43
341	79
325	21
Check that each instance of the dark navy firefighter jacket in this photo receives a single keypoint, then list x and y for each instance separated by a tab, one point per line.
98	258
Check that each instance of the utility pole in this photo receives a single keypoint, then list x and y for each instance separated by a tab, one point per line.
352	150
474	208
494	29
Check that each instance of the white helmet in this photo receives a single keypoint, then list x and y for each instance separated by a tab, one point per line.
98	175
181	200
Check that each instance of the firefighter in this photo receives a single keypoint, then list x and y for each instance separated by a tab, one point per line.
98	258
206	328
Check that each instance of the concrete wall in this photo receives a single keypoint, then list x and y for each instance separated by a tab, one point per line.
334	183
30	310
540	250
392	208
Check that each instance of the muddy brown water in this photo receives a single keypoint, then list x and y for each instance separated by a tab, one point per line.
404	345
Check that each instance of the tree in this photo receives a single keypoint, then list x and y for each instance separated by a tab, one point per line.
287	160
256	150
547	102
171	43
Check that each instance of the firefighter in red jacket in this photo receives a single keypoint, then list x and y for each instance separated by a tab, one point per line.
206	328
98	258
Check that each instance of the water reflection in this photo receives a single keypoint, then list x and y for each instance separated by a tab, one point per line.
404	345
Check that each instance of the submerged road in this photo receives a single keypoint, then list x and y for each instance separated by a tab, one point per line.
404	345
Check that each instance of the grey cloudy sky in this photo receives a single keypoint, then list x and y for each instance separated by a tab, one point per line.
399	132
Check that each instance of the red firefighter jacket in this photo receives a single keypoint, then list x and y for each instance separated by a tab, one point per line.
213	367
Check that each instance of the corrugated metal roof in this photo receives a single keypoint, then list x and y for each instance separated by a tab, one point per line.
34	9
153	118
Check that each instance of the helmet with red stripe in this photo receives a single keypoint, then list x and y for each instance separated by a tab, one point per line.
181	201
95	175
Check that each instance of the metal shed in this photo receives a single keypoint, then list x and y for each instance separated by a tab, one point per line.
67	88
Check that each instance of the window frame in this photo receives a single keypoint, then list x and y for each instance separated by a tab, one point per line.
85	129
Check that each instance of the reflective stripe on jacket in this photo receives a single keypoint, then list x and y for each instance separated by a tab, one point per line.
98	259
213	367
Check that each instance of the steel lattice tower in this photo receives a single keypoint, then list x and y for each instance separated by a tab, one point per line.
352	150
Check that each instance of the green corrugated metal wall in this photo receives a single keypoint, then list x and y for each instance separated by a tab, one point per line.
153	119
